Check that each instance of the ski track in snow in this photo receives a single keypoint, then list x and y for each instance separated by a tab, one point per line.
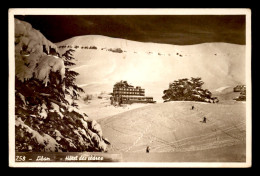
218	134
139	138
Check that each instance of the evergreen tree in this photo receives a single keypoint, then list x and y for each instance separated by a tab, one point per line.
70	76
188	90
121	84
45	119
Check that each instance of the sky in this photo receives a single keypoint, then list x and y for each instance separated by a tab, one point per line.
168	29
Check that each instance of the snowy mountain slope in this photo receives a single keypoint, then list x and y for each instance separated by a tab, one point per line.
152	65
174	127
221	89
226	93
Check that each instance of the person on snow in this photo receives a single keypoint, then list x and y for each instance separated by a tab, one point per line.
147	149
204	119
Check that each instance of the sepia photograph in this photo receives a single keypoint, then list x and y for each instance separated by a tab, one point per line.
130	88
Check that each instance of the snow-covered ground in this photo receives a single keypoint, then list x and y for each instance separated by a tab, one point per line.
174	127
101	108
222	88
165	127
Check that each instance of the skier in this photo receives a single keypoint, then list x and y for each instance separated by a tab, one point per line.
204	119
120	100
192	107
147	149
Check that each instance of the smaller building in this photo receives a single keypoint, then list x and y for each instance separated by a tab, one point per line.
239	88
242	90
136	99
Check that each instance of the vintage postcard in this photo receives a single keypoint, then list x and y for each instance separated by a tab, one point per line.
130	88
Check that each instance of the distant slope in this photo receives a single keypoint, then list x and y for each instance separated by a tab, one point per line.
174	127
225	93
152	65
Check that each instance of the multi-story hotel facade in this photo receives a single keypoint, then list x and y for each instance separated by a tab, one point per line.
129	95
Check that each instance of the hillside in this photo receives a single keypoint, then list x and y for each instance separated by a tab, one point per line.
152	65
226	94
174	127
